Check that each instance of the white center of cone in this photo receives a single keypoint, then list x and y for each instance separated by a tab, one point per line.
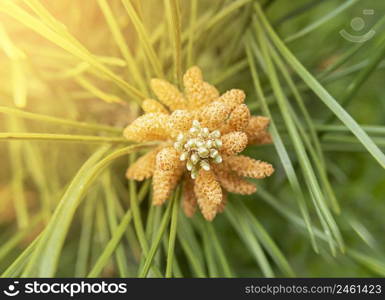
199	148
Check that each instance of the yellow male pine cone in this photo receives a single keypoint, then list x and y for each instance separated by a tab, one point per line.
201	134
